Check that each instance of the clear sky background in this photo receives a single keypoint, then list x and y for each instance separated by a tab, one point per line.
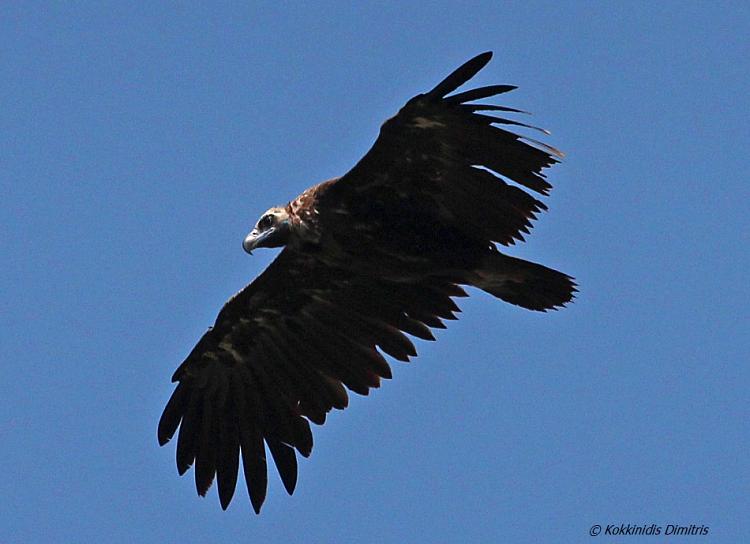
139	144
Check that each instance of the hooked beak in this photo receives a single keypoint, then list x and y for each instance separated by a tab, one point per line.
254	239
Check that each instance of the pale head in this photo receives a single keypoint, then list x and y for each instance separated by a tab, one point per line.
271	230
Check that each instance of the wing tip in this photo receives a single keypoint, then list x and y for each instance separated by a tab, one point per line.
483	58
460	75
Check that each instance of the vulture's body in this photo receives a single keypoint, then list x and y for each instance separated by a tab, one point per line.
367	257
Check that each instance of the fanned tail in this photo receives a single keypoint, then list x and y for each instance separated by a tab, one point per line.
524	283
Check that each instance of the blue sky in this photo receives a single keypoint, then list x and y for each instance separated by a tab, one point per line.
139	144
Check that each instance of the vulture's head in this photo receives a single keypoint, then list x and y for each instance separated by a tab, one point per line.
271	230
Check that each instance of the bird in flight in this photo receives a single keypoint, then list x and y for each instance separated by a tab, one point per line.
367	257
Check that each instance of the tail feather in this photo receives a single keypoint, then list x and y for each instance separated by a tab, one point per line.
524	283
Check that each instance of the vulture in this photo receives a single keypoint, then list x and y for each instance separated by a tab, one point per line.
368	258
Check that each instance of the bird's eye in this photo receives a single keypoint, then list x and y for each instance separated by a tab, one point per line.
265	222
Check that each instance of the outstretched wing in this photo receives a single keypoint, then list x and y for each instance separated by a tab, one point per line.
280	353
440	151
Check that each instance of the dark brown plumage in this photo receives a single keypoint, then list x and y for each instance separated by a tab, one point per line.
368	257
